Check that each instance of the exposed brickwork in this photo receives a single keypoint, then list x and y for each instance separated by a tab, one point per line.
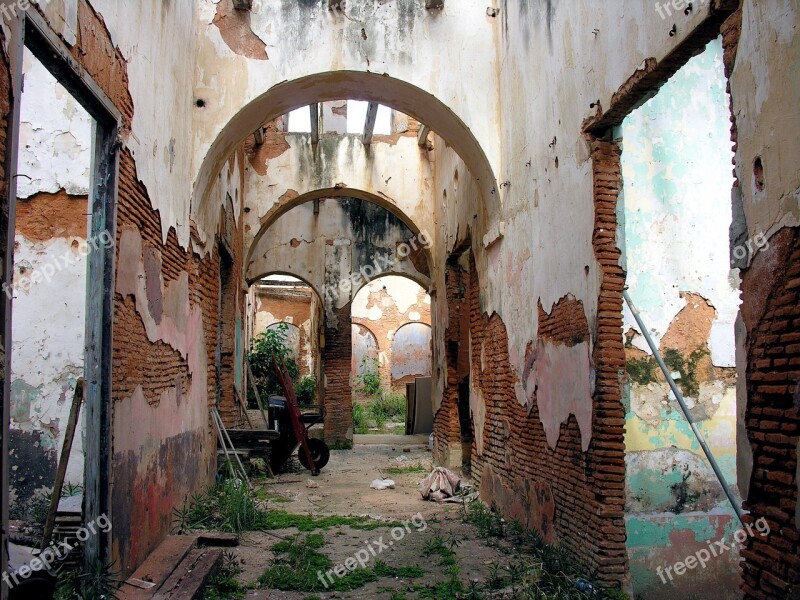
45	216
384	328
448	428
771	311
291	305
571	497
337	359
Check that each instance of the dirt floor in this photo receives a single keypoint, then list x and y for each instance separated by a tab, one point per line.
343	488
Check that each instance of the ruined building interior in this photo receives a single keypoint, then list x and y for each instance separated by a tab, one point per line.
552	246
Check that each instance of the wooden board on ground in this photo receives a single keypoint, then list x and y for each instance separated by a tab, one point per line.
159	566
189	579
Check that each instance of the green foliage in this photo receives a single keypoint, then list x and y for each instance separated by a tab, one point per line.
266	345
404	470
385	406
645	370
369	382
228	506
298	563
342	445
223	585
99	582
642	370
306	390
360	419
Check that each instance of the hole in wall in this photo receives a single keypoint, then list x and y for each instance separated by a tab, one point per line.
200	103
758	174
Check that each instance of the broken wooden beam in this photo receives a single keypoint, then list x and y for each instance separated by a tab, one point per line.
422	136
259	136
314	108
369	124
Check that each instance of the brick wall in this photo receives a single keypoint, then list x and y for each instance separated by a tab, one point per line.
337	359
771	311
571	497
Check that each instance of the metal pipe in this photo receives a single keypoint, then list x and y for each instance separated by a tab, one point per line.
698	434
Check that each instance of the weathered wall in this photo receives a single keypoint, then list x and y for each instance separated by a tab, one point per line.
49	285
296	306
674	230
386	307
287	169
242	57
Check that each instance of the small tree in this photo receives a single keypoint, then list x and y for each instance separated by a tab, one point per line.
370	379
266	345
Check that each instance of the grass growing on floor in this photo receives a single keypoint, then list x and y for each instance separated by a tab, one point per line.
223	584
232	507
298	564
404	470
546	572
383	408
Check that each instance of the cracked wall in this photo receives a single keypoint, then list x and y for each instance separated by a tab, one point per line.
675	213
396	314
49	286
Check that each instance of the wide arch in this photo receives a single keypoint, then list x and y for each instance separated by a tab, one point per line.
335	85
286	204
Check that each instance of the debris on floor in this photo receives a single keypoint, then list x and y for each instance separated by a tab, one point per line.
440	485
382	484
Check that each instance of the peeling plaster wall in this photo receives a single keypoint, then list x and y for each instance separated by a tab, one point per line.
55	136
329	249
393	169
676	170
296	306
49	285
392	38
387	307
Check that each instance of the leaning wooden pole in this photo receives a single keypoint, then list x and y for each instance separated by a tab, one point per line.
63	461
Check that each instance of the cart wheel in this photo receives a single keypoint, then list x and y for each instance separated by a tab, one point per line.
319	452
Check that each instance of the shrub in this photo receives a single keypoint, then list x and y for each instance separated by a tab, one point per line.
370	380
265	345
306	390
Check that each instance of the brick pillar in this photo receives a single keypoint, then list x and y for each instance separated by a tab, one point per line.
337	397
448	450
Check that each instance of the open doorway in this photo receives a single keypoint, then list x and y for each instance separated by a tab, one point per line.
675	214
391	358
51	245
60	287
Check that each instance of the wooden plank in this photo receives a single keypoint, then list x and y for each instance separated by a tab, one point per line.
188	580
369	124
244	407
314	108
63	461
158	566
422	136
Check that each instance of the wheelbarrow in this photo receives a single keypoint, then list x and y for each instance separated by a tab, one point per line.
293	423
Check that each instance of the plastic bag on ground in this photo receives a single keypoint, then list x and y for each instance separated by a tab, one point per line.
382	484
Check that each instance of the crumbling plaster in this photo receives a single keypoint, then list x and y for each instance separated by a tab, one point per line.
152	34
55	137
765	83
332	247
382	64
397	173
